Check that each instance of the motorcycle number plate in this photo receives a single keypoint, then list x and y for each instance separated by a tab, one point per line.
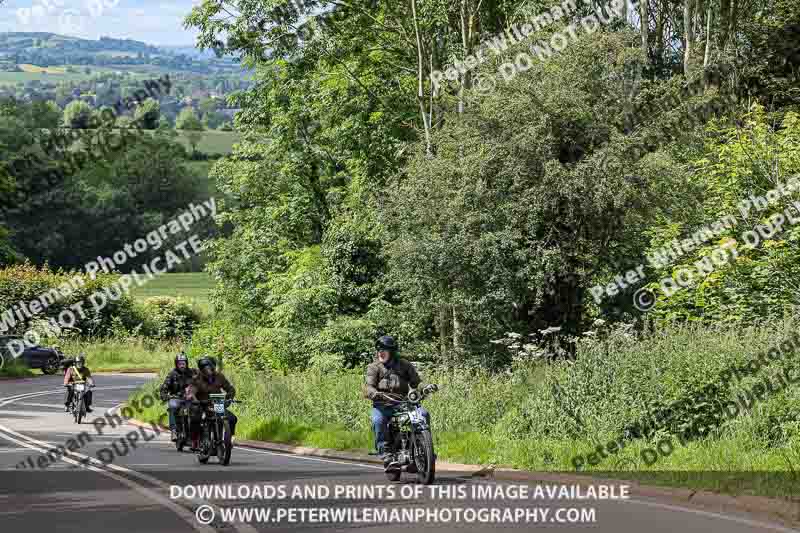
415	418
79	387
219	408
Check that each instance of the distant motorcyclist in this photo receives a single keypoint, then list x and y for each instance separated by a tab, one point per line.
78	373
173	390
209	381
388	374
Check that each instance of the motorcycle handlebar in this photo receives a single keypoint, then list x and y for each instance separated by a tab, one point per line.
425	392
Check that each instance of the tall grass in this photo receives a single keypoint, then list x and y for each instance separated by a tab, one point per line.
538	417
119	354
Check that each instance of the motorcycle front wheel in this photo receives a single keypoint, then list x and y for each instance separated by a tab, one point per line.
181	433
205	451
80	412
226	445
424	458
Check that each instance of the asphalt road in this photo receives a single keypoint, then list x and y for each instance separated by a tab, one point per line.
139	491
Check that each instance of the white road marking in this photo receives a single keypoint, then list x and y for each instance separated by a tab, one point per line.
248	528
151	494
241	527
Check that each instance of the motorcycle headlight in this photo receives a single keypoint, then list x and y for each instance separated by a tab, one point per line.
413	396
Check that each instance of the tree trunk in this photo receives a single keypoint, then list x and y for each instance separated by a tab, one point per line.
688	27
724	22
658	47
645	26
733	18
707	55
458	332
444	330
420	80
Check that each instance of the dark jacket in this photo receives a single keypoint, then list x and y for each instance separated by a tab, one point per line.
396	378
202	387
176	382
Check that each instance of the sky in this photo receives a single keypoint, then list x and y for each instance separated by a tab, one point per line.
157	22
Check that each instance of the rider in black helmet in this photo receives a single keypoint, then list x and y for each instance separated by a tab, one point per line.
388	374
210	381
174	387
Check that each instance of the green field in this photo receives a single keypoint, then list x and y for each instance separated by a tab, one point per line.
36	73
193	286
11	78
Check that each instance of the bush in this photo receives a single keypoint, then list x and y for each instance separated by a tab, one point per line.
235	344
341	344
55	292
167	318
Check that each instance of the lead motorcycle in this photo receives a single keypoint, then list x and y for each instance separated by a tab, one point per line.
409	437
78	406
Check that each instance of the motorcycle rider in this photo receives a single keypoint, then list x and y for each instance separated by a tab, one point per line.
174	388
76	373
209	381
388	374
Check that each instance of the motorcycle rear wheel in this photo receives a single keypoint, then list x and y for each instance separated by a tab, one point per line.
424	457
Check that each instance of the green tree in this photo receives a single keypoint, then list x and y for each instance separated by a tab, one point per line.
188	122
148	114
77	115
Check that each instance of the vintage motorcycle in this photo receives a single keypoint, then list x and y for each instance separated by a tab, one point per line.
409	437
78	406
182	432
216	437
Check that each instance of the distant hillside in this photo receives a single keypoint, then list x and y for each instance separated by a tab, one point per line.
50	49
20	42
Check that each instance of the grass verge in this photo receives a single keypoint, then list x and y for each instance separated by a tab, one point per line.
470	415
14	369
133	354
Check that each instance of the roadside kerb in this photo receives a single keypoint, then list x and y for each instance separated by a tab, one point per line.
787	513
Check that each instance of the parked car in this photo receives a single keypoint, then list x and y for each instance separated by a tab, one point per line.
33	356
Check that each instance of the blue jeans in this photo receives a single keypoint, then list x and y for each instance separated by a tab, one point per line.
172	407
380	418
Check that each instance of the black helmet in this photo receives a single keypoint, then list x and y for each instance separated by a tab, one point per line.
80	361
206	361
386	343
181	357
